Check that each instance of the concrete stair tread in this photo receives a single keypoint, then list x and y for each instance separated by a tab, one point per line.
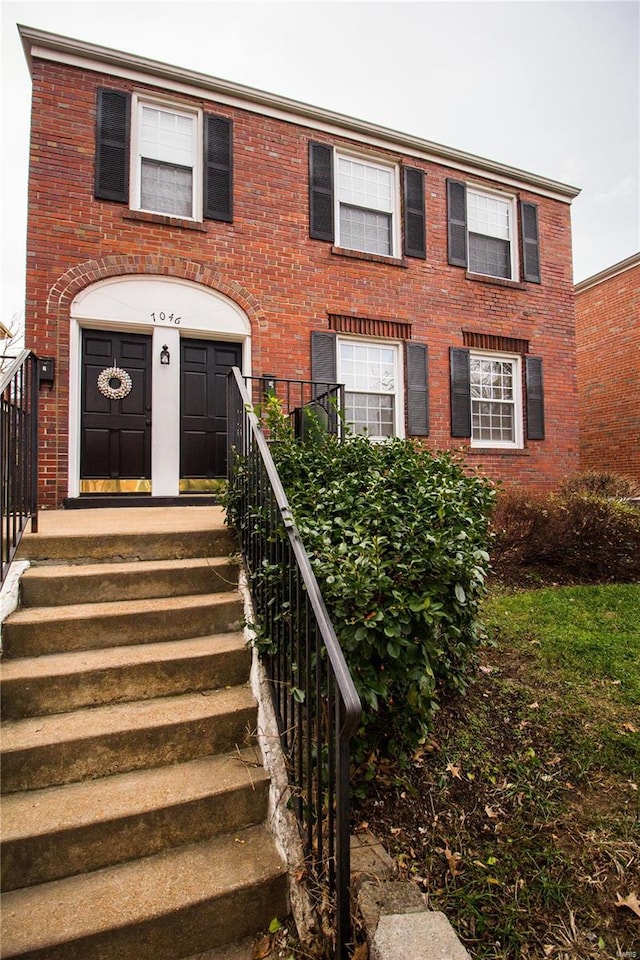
240	950
74	805
133	894
66	583
86	611
133	520
87	570
92	722
81	661
90	539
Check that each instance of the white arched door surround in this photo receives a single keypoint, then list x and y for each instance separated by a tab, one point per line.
167	310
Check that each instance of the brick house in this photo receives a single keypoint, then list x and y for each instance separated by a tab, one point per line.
608	325
181	224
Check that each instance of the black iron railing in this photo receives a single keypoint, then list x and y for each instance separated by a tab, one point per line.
18	454
316	703
309	404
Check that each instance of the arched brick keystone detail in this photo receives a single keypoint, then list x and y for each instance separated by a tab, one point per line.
78	278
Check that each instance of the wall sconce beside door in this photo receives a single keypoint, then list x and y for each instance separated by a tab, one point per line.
165	356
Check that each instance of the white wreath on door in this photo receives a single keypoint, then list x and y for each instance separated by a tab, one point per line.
114	373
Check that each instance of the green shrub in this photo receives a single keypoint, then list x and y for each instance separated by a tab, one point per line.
588	536
398	541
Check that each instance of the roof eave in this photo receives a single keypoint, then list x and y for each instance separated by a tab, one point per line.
608	273
37	41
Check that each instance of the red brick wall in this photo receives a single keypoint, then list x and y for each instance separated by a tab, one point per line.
286	282
608	354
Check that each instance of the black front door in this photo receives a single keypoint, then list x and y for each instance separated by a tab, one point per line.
203	407
116	410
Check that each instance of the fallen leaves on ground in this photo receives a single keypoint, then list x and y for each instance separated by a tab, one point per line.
630	901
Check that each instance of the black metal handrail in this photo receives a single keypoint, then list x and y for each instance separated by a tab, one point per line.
309	404
18	455
316	703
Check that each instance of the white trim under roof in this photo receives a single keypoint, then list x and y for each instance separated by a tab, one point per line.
39	44
609	273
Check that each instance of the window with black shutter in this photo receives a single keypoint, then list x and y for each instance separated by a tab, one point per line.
323	357
370	371
218	168
482	233
530	242
112	145
321	192
460	393
535	398
457	223
415	244
417	389
355	203
486	397
179	164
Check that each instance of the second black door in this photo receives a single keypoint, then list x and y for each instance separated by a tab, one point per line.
203	406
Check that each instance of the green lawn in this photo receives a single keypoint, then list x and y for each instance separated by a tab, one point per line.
587	633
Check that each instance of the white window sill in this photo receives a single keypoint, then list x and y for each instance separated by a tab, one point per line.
372	257
499	451
497	281
142	216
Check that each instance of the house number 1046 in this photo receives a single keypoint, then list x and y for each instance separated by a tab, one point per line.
162	317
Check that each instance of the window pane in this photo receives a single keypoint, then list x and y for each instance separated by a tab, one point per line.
363	185
489	256
488	215
492	378
492	421
167	136
365	230
367	367
369	413
166	189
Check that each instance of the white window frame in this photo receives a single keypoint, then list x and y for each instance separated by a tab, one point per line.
398	379
140	101
394	213
511	201
516	360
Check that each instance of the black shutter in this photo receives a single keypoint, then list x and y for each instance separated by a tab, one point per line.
460	393
530	242
112	146
417	390
321	192
218	168
323	357
457	224
414	216
535	398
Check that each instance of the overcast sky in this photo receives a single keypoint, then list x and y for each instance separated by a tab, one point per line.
551	87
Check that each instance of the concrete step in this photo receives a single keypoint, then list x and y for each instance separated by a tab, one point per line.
58	683
87	547
63	584
239	950
99	741
44	630
181	902
80	827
